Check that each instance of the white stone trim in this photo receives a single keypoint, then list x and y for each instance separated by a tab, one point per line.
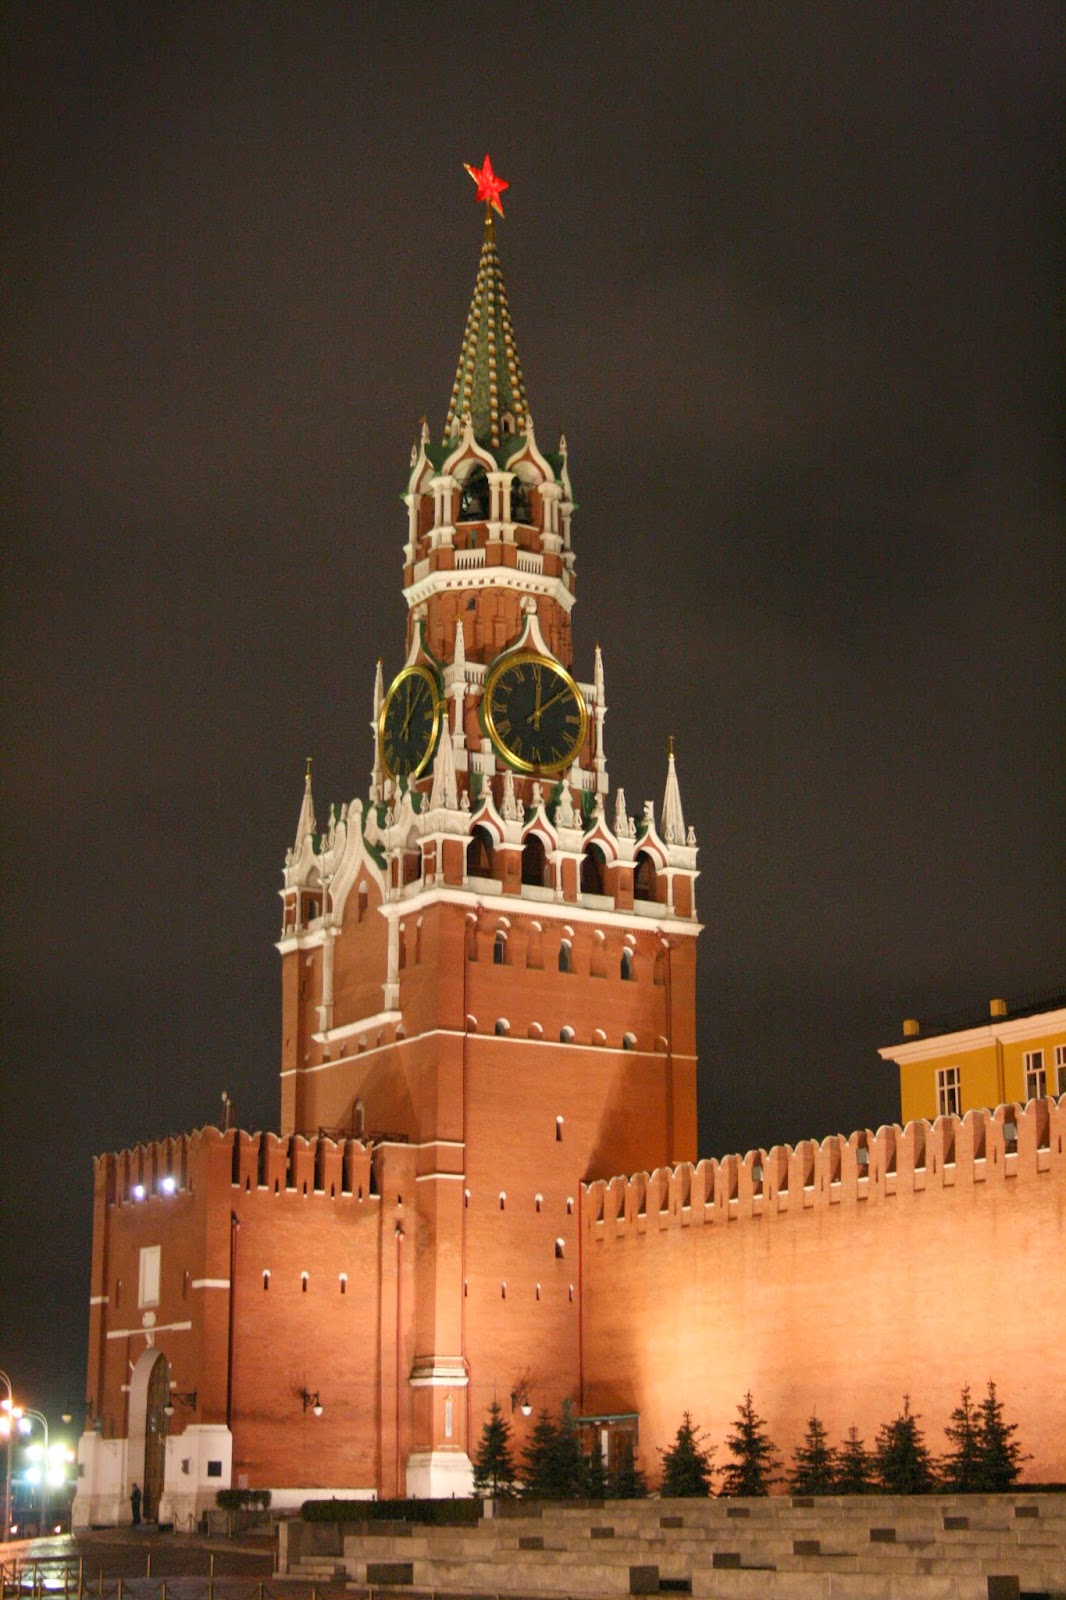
162	1327
431	1177
488	1038
99	1299
209	1283
380	1019
452	894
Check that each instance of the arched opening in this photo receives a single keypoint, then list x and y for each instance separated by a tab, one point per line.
474	498
626	967
644	878
479	854
592	864
146	1457
520	511
564	956
499	950
534	861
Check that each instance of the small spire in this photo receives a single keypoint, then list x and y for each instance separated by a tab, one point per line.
460	644
379	699
597	675
379	694
673	817
306	823
444	793
509	808
621	821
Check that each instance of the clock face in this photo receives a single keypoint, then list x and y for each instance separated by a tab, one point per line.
534	713
410	722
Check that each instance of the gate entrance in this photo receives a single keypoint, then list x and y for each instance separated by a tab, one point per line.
155	1438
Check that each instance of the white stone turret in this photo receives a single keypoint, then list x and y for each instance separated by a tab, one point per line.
444	794
306	824
673	816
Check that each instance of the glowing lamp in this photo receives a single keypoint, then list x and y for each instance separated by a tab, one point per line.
138	1191
169	1185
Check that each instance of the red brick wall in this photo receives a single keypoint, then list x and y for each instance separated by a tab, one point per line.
944	1266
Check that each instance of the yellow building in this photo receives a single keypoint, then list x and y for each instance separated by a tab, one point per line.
1016	1051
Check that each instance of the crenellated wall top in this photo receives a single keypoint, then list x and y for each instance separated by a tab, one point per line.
1013	1142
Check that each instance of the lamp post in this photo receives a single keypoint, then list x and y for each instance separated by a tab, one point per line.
24	1427
13	1414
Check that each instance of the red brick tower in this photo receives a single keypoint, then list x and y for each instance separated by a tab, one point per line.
476	962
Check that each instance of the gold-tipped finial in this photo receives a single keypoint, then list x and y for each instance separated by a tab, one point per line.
670	744
307	770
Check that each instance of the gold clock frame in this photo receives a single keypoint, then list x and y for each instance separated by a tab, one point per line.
488	721
419	670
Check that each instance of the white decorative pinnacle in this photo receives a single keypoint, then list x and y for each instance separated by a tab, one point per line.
673	817
597	675
379	700
460	645
306	823
444	794
509	808
621	820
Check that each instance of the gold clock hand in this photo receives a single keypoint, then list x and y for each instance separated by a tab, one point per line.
410	708
537	707
562	695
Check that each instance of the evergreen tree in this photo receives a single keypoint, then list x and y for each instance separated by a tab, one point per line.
626	1482
493	1463
538	1459
959	1468
751	1471
687	1463
901	1457
814	1463
854	1469
552	1463
569	1468
594	1476
999	1455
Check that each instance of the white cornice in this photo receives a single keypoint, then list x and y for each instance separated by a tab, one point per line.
1009	1031
352	1030
567	910
533	583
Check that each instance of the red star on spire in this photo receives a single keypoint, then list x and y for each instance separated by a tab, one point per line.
489	186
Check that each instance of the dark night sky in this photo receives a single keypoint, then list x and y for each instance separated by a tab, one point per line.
788	278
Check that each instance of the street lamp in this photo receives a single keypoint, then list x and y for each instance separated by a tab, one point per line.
11	1413
24	1427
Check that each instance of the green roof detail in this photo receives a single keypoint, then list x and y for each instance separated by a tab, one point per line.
488	382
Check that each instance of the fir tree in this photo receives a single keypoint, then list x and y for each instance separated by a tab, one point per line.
538	1459
960	1467
493	1464
594	1476
999	1455
552	1462
751	1471
569	1468
854	1469
901	1457
626	1482
687	1463
814	1463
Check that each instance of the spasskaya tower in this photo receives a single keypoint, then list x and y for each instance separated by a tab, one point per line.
488	965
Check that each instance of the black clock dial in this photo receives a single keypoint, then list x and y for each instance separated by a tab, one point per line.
410	723
534	713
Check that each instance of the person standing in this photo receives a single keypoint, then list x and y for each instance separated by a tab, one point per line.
135	1503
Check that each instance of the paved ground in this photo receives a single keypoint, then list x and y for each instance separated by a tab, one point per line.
145	1552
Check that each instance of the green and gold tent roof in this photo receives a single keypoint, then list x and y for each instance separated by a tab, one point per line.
488	385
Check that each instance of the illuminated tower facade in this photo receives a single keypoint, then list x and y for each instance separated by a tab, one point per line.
488	965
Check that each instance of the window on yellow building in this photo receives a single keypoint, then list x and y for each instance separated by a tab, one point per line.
948	1092
1060	1069
1035	1076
